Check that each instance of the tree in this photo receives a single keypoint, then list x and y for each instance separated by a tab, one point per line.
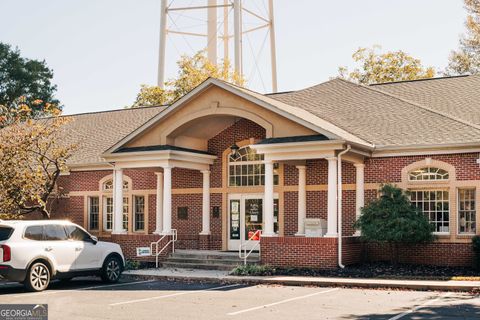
31	79
385	67
392	219
192	71
466	60
32	156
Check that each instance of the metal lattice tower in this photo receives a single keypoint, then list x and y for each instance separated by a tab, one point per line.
220	38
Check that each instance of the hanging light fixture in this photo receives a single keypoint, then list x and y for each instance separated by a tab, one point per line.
234	147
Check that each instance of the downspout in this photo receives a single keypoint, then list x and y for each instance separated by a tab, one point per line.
339	203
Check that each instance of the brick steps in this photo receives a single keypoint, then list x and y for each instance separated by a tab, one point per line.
207	260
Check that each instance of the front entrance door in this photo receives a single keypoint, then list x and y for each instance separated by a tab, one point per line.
245	212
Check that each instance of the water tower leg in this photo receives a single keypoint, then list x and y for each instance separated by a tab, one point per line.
237	35
162	44
272	47
212	31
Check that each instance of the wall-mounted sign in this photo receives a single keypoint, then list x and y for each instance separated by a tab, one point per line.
143	252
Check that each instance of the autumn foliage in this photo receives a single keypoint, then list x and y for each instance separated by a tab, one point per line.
32	156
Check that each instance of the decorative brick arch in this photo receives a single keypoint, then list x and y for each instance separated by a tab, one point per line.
428	162
110	177
220	111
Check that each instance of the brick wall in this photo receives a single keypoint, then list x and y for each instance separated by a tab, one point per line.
317	253
441	254
383	170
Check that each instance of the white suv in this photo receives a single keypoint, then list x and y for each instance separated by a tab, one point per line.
36	251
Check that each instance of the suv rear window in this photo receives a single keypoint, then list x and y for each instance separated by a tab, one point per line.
54	232
5	233
34	233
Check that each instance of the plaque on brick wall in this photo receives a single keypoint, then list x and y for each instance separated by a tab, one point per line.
182	213
216	212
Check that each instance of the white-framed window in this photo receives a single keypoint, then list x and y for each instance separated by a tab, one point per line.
125	213
435	205
139	213
93	212
108	214
428	174
467	212
248	169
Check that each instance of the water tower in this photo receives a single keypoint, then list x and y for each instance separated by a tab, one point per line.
227	23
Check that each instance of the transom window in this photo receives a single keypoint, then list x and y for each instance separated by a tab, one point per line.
108	185
435	205
428	174
248	169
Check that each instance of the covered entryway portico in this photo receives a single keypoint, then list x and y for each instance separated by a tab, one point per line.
165	158
297	150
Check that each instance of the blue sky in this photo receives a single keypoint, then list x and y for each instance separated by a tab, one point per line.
102	50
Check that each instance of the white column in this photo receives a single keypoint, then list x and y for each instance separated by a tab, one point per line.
159	207
206	203
268	206
118	202
332	218
359	190
302	200
167	200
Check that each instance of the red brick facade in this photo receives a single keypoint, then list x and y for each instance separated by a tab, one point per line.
285	250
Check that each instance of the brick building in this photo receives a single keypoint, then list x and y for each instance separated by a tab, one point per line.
224	162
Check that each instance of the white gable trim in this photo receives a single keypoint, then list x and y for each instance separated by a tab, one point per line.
295	114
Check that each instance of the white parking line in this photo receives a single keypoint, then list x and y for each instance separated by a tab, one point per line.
280	302
113	285
49	292
427	303
172	295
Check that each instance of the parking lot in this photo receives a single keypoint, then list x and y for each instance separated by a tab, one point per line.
151	299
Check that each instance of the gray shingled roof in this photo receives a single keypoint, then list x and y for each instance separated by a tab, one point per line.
455	96
379	117
428	112
96	132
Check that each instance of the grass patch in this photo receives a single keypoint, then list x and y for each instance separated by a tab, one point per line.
253	270
378	270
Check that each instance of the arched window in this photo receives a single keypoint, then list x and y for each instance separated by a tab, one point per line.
108	185
247	169
428	174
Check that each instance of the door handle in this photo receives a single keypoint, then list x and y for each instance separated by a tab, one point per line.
78	249
48	248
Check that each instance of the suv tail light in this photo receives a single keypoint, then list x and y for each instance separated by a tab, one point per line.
7	253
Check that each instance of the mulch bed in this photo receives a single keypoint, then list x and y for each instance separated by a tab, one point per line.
386	271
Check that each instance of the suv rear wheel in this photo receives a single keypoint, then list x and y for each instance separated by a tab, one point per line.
38	277
112	269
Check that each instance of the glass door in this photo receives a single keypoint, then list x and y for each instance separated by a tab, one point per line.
245	218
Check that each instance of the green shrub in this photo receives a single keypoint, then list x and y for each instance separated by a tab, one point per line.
132	265
392	219
253	270
476	252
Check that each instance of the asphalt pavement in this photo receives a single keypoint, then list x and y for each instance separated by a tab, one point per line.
88	298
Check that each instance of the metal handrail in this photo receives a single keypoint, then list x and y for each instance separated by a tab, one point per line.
156	243
244	246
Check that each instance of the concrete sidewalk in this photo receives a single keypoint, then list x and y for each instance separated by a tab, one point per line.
223	276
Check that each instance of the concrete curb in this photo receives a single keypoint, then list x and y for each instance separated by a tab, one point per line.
418	285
